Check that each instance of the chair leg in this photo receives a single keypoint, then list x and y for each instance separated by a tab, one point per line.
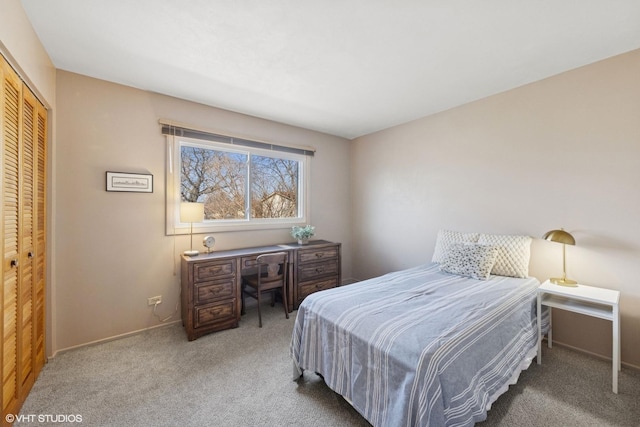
242	311
284	301
259	312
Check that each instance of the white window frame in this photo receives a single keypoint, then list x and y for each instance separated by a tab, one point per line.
173	197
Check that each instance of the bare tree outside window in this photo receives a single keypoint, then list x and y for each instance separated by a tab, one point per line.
274	187
218	178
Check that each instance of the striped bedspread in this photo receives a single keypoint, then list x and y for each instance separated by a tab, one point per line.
419	347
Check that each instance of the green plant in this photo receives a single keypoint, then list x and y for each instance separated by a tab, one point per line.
301	233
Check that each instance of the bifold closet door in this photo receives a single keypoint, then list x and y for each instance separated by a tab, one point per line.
11	118
39	234
23	137
30	277
33	214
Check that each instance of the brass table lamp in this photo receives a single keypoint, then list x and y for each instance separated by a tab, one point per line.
561	236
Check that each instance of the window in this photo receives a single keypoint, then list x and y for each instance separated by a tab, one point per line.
242	187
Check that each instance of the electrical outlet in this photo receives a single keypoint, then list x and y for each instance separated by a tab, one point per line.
154	300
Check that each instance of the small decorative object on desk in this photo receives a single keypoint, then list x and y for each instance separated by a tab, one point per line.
208	242
303	233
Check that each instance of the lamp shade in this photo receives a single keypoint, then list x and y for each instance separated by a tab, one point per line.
191	212
559	236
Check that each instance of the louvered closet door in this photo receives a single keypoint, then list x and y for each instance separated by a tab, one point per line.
23	123
11	96
40	215
26	197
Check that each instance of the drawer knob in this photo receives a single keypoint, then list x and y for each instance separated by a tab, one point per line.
319	270
14	263
319	254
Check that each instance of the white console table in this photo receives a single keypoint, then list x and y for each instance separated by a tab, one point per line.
587	300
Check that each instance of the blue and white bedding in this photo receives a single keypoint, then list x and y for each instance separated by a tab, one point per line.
419	347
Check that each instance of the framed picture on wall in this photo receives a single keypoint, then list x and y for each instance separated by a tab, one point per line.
130	182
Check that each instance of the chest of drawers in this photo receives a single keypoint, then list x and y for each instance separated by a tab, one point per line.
210	296
317	268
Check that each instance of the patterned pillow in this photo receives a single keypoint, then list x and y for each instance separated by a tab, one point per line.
446	238
469	260
513	254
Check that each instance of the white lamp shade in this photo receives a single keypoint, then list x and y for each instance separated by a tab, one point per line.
191	212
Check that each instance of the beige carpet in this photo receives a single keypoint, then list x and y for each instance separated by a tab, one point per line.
242	377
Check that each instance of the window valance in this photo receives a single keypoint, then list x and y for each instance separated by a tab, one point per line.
169	128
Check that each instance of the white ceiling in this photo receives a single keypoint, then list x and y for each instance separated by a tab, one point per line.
344	67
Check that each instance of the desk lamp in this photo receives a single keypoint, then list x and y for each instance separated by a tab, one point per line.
191	212
561	236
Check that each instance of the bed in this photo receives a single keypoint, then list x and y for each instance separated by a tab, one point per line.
422	346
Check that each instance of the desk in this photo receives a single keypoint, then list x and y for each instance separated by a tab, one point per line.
587	300
210	283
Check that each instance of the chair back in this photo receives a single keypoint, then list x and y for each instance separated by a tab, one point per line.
274	265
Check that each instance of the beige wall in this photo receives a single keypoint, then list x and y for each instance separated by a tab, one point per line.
562	152
112	252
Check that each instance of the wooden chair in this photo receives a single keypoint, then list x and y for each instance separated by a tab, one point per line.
271	276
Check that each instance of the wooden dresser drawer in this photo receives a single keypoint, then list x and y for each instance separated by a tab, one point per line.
213	270
212	314
205	292
318	254
317	270
305	289
248	262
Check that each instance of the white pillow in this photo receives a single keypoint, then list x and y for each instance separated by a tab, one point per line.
513	254
446	238
469	260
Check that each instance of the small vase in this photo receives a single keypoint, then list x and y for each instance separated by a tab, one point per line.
303	241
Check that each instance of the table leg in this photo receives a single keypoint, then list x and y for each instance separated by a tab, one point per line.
616	347
539	316
549	334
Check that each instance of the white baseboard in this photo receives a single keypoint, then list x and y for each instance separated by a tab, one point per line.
599	356
113	338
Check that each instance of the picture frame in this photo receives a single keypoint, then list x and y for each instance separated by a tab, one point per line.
129	182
